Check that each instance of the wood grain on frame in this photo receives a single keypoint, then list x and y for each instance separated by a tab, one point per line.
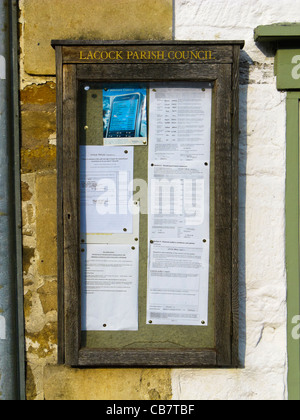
223	71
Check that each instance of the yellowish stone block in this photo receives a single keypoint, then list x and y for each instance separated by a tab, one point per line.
95	20
62	383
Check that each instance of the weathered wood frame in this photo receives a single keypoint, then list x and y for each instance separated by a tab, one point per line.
223	71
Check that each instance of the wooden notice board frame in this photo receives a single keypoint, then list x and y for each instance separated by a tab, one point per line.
110	62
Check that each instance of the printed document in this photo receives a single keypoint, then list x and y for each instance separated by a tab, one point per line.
109	287
178	283
180	122
179	203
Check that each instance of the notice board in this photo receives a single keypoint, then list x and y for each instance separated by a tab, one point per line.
148	203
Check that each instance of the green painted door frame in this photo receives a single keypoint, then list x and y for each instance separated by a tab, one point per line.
286	37
292	243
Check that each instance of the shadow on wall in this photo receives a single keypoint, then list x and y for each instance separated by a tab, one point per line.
246	63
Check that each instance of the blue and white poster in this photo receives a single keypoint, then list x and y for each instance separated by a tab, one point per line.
125	116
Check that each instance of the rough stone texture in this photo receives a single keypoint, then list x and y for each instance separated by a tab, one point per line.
38	159
40	285
39	95
37	127
46	228
31	388
262	188
28	254
62	383
38	117
28	210
26	194
43	343
48	296
40	21
263	352
105	19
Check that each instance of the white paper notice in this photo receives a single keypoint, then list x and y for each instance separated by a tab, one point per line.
179	203
178	286
110	288
180	122
106	200
116	238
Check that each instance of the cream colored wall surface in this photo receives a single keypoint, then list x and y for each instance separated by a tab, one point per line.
262	170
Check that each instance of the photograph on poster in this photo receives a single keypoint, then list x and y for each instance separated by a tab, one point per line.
125	115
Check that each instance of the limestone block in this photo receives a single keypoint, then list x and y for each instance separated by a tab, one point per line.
41	158
46	230
48	296
26	193
62	383
42	343
105	19
37	127
28	255
38	115
44	94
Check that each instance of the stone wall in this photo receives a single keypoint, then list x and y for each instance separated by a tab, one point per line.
38	153
262	193
41	21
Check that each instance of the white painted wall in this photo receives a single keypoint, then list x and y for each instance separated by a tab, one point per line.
263	349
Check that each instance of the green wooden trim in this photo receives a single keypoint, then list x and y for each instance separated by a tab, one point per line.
287	68
277	32
292	241
283	35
